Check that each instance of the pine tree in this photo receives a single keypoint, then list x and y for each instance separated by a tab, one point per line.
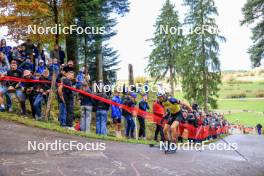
101	59
254	14
167	46
201	74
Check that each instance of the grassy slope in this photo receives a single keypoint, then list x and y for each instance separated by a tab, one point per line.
248	119
250	89
254	105
55	127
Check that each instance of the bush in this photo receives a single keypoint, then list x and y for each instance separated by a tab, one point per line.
140	79
259	94
230	80
248	91
237	95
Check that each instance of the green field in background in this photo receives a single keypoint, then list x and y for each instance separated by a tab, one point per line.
254	105
250	89
248	119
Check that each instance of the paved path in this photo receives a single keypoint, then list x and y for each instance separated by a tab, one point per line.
122	159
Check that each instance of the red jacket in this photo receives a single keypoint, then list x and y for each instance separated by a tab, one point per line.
158	110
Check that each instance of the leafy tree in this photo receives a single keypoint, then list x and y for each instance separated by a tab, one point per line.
17	15
201	72
167	46
253	12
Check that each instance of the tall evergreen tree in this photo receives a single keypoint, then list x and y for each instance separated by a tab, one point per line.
167	45
201	72
101	59
254	14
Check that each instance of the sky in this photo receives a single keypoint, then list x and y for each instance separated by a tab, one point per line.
137	26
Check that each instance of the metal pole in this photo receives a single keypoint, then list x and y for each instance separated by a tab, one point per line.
136	131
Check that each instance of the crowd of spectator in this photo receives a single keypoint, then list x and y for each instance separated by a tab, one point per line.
29	61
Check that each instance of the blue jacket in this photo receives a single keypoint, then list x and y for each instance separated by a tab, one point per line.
80	79
143	105
40	69
54	67
7	51
116	111
26	66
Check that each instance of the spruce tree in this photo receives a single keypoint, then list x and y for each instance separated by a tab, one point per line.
101	59
167	44
201	73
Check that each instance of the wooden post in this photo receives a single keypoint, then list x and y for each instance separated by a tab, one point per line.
53	83
131	75
131	82
99	62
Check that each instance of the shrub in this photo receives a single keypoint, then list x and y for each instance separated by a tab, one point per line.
248	91
237	95
259	94
140	79
230	80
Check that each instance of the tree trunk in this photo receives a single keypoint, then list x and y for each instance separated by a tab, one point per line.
86	55
130	74
171	80
71	39
205	82
56	20
99	61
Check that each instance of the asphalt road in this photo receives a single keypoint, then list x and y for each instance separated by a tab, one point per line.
121	158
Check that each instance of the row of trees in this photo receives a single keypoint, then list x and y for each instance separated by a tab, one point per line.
192	56
92	49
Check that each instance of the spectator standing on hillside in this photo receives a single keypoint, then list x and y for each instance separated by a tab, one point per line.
28	90
66	101
130	101
144	106
4	67
80	78
159	111
41	67
7	50
14	86
117	114
55	53
86	108
29	49
39	55
69	67
101	112
259	128
27	65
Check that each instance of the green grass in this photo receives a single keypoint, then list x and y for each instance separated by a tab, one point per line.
54	126
248	119
254	105
249	88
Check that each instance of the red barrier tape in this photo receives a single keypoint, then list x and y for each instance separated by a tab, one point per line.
200	133
149	116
